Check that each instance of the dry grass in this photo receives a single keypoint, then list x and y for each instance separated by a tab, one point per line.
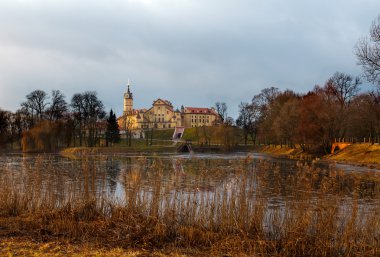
359	153
28	247
278	150
288	152
142	148
323	213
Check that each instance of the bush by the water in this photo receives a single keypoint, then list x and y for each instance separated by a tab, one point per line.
45	137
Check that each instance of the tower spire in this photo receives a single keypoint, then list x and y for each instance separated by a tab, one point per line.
128	100
129	92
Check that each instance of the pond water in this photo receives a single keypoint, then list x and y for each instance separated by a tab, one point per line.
229	190
278	180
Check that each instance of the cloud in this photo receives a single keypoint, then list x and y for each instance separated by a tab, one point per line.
190	52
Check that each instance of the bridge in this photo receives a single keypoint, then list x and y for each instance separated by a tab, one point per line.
339	146
185	147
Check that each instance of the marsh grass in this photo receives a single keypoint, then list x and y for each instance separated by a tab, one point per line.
309	212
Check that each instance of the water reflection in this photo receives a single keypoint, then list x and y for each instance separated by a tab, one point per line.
113	175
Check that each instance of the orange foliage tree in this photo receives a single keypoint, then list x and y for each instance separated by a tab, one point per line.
44	137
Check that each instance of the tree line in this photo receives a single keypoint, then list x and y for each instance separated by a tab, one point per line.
46	123
334	111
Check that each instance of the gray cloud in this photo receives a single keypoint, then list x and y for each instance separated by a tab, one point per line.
190	52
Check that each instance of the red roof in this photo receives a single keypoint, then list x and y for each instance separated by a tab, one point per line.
199	110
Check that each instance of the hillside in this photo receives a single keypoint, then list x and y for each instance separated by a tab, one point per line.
358	153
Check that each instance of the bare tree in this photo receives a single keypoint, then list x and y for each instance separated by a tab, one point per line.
264	103
248	120
368	52
344	87
93	112
265	99
151	123
77	108
58	106
365	117
5	122
127	127
286	121
35	104
269	94
87	111
221	109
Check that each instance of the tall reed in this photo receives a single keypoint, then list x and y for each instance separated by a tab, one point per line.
253	212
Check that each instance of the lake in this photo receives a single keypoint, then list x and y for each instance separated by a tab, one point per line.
110	176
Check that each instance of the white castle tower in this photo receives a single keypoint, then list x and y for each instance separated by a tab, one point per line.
128	101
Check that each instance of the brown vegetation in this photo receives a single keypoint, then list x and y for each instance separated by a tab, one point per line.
334	111
45	137
323	214
358	153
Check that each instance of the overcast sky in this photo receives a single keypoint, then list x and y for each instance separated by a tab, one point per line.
191	52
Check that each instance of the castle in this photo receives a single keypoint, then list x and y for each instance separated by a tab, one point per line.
162	115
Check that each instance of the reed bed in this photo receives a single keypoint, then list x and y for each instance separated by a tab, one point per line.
256	210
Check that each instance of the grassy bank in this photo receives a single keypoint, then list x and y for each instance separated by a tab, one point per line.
117	149
353	154
358	153
234	219
163	134
284	151
137	146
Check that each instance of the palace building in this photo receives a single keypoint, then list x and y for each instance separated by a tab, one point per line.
162	115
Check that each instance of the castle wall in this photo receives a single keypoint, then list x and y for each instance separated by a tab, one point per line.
162	116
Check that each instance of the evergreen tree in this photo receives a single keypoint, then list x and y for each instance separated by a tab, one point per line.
112	132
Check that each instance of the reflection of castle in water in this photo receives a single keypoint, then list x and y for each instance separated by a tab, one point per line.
177	174
106	176
113	171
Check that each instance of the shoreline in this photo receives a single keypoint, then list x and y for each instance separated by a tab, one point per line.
362	155
352	155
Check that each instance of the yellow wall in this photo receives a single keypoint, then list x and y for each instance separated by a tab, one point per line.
198	119
162	116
